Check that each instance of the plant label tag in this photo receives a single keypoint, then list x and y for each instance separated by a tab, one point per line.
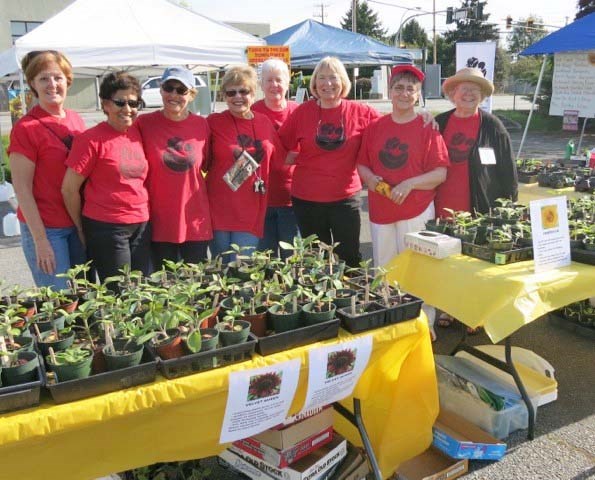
240	171
487	156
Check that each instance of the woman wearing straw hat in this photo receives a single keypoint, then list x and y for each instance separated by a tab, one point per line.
482	164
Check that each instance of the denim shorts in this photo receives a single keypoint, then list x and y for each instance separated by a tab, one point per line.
68	251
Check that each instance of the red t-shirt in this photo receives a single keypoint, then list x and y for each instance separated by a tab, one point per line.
460	135
243	210
396	152
280	174
37	136
115	167
176	152
326	175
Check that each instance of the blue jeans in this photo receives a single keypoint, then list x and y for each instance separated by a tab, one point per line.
280	225
68	251
223	239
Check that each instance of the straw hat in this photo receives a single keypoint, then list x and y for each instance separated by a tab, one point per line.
472	75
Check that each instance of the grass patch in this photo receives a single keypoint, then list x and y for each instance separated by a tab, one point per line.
539	121
4	158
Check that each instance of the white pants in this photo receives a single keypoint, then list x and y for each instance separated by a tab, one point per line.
388	240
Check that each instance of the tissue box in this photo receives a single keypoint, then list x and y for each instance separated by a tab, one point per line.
433	244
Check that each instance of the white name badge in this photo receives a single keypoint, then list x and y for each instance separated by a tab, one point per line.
487	156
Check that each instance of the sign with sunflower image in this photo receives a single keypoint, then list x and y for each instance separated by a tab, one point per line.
335	370
551	239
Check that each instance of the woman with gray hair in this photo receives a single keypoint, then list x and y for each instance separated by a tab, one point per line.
280	223
327	130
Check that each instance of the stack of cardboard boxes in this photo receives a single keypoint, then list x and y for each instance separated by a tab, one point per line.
304	447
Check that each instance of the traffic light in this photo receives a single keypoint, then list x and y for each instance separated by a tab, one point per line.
509	22
530	22
449	15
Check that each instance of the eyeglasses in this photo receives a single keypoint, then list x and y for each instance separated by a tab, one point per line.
123	103
400	89
244	92
168	88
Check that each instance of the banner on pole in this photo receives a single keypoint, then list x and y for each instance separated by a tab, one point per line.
480	55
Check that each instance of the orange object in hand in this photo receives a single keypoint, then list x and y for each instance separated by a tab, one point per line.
383	188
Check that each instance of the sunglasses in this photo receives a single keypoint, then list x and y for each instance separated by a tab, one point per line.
168	88
232	93
123	103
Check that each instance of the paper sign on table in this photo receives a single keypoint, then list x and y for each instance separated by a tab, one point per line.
551	239
335	370
258	399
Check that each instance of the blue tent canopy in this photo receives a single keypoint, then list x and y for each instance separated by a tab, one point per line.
310	41
579	35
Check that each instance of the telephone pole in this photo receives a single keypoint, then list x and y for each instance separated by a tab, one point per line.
321	15
434	29
354	16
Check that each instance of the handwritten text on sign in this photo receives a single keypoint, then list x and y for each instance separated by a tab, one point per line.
573	86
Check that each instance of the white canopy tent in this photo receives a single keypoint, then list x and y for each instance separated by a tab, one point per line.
132	34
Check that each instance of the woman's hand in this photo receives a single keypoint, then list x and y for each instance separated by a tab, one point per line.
372	182
400	192
428	118
46	261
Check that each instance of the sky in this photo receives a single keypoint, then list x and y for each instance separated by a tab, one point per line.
281	14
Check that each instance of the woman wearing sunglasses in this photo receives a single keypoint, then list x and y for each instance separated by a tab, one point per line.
243	144
280	222
327	131
175	143
39	145
110	161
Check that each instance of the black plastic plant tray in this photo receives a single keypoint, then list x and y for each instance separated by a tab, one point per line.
100	383
498	257
582	256
298	337
556	318
209	360
527	178
407	310
25	395
369	320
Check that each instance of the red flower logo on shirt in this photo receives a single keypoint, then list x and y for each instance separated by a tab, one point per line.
132	163
179	156
394	154
252	146
460	147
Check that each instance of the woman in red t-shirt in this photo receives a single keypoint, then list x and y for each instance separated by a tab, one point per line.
280	223
39	145
325	188
175	143
110	161
243	144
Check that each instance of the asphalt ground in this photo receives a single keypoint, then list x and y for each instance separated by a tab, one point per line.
564	444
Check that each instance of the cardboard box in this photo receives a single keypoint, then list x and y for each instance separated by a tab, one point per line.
459	438
231	460
354	466
311	467
296	429
432	244
432	465
284	458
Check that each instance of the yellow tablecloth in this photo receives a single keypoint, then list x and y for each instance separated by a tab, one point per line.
502	298
532	191
181	419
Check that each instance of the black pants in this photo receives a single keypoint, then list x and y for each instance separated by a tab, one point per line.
332	222
189	252
112	245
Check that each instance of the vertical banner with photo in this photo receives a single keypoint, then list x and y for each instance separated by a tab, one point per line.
258	399
335	370
480	55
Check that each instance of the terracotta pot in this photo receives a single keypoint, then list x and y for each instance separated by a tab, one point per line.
258	321
172	347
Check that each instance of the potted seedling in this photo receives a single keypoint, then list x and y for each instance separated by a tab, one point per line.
77	279
320	309
285	314
198	337
127	349
10	321
18	367
72	363
232	330
464	225
165	320
500	239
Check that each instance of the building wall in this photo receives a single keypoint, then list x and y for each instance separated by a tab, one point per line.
257	29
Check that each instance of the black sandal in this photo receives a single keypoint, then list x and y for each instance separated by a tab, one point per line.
445	320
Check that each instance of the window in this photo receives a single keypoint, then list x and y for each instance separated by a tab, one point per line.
18	28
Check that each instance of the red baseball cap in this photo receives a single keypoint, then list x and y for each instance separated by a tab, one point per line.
408	68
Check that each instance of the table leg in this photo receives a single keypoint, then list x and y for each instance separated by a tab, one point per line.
356	419
506	366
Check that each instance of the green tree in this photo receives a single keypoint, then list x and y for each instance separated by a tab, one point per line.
367	22
412	36
521	36
585	7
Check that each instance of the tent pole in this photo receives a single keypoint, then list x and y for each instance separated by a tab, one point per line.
580	140
22	91
518	155
97	100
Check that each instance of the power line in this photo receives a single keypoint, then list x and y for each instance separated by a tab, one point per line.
321	15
